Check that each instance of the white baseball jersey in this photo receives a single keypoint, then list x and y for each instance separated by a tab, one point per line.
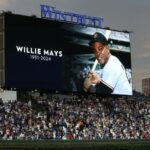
114	76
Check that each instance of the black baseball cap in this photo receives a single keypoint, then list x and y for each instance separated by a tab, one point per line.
98	37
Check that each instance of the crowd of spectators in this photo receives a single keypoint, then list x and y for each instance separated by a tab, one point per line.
75	118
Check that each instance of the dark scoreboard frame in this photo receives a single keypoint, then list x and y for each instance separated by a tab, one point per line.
51	55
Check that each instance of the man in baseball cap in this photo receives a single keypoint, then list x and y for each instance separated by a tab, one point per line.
113	79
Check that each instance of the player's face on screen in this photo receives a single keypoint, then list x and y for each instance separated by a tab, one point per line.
101	52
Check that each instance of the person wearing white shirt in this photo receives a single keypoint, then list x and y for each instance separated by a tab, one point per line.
113	79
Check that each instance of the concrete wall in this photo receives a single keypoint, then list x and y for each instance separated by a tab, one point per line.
8	95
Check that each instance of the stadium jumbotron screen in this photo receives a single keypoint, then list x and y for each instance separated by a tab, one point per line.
52	55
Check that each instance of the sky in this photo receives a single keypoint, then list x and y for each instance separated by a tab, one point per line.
130	15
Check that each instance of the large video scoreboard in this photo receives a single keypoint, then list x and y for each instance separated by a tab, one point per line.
46	54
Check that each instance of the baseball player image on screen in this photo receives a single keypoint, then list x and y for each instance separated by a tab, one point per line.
113	78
